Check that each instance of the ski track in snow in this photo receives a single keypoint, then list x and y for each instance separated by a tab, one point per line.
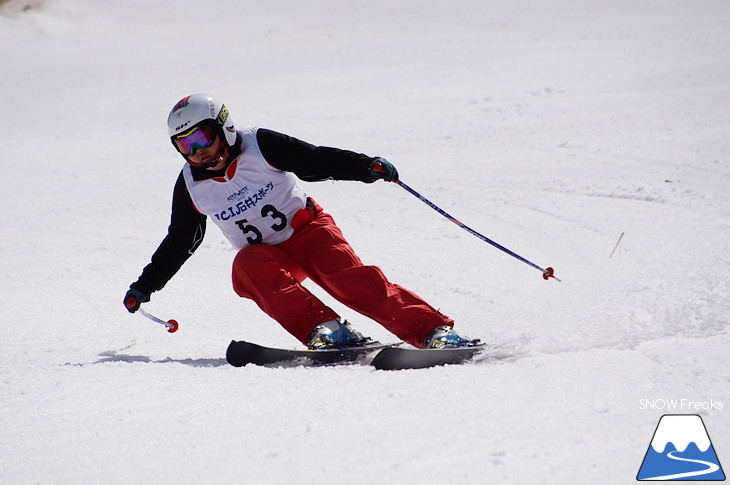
550	128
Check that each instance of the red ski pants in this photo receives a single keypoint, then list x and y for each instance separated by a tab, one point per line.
271	276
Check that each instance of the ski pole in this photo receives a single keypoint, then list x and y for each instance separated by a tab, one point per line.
546	272
170	324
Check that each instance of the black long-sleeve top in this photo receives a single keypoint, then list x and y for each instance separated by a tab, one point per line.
187	226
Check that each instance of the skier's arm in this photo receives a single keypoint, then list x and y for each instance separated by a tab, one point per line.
184	235
313	163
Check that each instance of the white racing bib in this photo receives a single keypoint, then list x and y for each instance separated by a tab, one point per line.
254	203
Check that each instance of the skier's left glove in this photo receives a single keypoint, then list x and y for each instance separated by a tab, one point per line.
134	299
383	169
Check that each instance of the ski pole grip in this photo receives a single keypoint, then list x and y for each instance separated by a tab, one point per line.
130	302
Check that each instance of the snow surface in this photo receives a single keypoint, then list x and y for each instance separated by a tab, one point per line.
552	127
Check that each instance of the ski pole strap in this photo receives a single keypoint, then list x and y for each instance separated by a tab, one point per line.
546	272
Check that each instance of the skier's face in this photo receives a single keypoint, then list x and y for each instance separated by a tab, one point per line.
204	156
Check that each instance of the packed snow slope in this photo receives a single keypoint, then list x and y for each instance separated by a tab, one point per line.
554	128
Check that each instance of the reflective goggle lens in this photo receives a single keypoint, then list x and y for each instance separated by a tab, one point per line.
195	139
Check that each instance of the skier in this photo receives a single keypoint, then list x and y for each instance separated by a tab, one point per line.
244	181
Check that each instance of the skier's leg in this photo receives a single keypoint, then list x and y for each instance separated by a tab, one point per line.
266	275
320	249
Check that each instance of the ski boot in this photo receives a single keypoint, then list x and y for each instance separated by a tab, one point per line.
335	334
445	337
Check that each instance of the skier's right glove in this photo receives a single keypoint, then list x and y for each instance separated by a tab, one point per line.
383	169
134	299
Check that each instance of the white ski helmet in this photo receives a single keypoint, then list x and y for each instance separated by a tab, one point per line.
201	109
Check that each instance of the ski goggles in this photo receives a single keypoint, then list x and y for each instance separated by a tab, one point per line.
197	138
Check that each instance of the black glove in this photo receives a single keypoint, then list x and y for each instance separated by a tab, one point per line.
134	298
383	169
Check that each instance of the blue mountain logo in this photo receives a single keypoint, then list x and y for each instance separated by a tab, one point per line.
681	450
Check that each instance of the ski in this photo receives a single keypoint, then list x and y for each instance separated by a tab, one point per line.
397	358
241	353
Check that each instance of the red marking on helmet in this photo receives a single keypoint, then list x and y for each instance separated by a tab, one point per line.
181	104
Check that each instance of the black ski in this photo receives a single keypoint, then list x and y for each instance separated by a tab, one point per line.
397	358
241	353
